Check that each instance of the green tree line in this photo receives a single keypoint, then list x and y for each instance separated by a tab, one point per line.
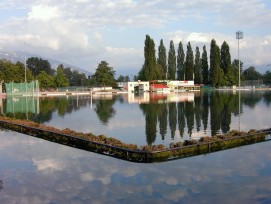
40	69
218	70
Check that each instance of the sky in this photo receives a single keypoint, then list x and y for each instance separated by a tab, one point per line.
85	32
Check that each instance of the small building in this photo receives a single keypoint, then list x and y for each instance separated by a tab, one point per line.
134	86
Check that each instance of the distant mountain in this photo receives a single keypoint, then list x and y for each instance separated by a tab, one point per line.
20	56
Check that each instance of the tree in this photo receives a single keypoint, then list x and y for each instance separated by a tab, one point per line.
159	71
148	69
231	78
171	62
198	67
214	64
205	66
60	79
13	72
105	75
225	61
69	75
189	63
180	62
123	78
162	59
251	74
36	65
45	80
236	63
267	77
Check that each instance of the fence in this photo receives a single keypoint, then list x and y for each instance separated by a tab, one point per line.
22	89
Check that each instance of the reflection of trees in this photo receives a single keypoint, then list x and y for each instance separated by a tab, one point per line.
47	105
162	118
267	98
198	112
222	106
226	112
181	118
105	110
150	112
62	104
251	98
205	109
189	112
172	119
215	112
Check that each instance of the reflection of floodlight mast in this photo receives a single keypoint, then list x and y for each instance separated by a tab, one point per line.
239	35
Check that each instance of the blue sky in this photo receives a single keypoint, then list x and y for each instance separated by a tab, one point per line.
85	32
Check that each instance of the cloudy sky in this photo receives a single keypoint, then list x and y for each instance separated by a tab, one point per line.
85	32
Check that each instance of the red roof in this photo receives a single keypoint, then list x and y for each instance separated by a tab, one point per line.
158	86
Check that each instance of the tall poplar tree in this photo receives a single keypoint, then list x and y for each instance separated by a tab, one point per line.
205	66
171	62
198	67
162	58
225	61
214	64
189	63
180	62
148	71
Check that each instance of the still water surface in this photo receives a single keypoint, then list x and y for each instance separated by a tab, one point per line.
149	118
38	171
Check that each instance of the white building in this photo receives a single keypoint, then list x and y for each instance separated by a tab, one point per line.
136	86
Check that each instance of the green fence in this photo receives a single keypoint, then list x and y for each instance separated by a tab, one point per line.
22	89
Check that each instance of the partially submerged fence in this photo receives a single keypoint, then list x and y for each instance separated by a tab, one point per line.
137	155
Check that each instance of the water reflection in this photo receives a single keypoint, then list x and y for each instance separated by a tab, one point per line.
38	171
148	118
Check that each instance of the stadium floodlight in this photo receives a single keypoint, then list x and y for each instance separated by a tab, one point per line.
239	35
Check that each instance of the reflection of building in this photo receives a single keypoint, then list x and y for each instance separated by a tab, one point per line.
132	98
147	97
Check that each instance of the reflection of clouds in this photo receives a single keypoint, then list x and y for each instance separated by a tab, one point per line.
65	174
88	177
129	172
47	164
171	181
175	195
7	141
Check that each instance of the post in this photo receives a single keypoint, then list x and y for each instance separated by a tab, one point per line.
24	63
239	35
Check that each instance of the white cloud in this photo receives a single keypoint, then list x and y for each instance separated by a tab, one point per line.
43	12
84	32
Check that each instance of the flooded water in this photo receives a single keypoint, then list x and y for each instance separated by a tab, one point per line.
149	118
36	171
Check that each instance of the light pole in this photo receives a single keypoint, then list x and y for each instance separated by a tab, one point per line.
239	35
24	63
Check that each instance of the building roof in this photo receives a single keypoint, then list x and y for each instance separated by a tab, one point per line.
158	86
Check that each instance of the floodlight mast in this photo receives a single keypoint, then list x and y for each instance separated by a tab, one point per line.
239	35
